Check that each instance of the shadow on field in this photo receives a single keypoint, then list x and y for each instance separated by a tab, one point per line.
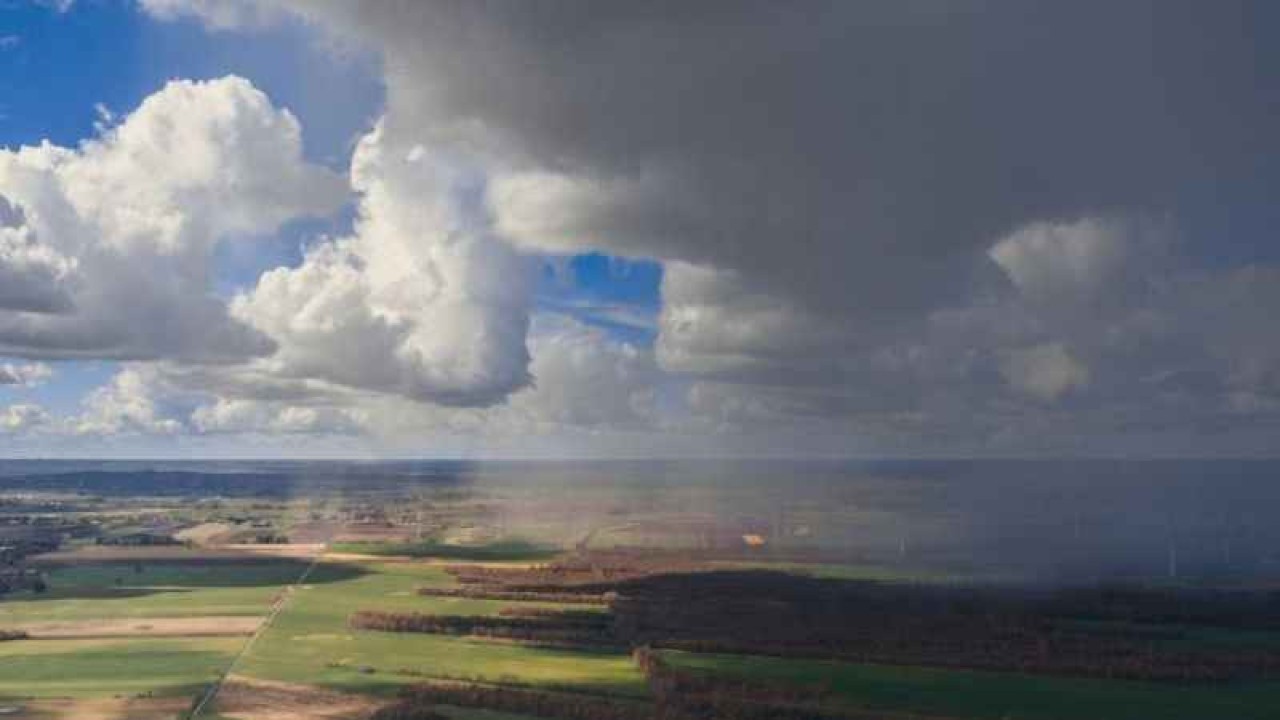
141	578
500	551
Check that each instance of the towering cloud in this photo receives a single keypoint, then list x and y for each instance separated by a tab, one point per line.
422	300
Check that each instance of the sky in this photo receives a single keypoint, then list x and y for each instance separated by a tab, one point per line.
321	228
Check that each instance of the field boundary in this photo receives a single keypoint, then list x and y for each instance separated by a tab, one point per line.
279	605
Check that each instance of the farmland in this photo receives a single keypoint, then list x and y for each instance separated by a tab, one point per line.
139	629
385	596
310	642
90	668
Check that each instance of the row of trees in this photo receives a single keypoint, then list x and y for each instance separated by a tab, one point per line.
702	694
563	706
549	631
579	618
490	593
595	571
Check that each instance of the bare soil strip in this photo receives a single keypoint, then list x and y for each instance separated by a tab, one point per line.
249	699
210	626
96	709
297	551
204	533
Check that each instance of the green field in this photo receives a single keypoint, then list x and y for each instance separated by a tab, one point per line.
93	668
91	592
1186	636
975	694
310	642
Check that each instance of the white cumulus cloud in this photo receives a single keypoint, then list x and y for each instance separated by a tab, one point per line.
1045	371
22	418
26	374
242	415
132	402
422	300
105	249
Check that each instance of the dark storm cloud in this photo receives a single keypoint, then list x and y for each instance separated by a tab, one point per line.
918	216
858	155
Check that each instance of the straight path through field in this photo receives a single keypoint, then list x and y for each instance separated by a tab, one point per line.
281	601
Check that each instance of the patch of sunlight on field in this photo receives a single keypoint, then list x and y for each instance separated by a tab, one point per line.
977	694
309	642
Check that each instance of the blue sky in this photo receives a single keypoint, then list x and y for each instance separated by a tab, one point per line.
64	64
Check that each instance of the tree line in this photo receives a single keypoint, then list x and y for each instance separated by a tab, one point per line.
575	631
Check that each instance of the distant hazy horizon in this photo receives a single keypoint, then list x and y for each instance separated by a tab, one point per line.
1053	521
